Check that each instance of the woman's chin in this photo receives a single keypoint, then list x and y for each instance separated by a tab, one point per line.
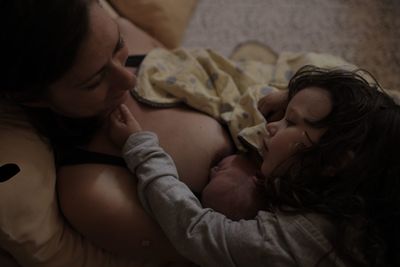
117	101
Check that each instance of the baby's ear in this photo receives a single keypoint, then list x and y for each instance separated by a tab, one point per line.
339	164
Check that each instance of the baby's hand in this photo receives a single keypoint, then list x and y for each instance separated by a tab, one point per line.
122	125
273	105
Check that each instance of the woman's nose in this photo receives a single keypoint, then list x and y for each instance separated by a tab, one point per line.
122	77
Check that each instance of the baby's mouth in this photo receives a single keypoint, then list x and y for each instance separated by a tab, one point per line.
213	172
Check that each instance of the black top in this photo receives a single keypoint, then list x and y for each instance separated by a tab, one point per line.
76	156
134	61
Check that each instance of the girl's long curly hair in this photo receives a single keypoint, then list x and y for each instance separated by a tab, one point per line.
352	175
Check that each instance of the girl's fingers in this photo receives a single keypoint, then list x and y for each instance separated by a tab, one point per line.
262	104
116	116
264	108
129	119
126	113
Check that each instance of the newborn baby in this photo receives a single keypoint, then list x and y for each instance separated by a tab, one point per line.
235	188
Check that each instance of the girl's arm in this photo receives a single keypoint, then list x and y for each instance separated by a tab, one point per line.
206	237
203	236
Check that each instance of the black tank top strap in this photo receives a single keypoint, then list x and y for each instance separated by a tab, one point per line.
76	156
134	61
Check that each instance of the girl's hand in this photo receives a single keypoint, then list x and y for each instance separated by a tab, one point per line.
122	125
273	105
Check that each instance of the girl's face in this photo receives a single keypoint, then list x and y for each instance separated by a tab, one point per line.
294	131
98	80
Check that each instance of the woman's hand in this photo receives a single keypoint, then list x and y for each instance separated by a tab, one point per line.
122	125
273	105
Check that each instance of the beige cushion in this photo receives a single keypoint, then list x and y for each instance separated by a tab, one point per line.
165	20
32	229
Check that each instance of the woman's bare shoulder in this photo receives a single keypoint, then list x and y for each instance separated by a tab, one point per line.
137	41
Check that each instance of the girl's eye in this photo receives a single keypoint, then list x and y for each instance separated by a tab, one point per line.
289	123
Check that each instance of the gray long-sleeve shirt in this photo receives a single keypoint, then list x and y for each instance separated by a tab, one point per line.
209	238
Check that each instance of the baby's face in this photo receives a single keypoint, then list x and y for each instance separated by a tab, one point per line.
233	188
293	131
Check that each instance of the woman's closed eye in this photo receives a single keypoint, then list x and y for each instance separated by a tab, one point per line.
100	76
97	82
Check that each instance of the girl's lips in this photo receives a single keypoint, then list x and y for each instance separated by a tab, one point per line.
265	146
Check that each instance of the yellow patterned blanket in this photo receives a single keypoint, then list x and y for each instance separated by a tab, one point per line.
222	88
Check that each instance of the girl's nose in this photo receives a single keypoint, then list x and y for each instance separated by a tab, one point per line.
272	128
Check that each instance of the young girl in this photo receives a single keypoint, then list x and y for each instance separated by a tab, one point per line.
331	180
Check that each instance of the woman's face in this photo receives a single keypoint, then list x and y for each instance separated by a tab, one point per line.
98	80
293	131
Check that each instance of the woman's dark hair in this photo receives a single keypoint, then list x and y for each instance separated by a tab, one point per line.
352	175
39	40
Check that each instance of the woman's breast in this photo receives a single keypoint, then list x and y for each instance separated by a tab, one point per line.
195	141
